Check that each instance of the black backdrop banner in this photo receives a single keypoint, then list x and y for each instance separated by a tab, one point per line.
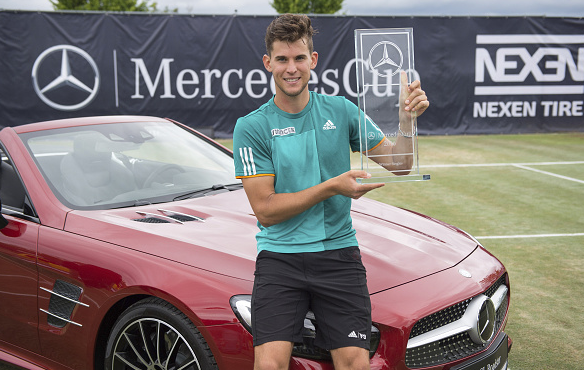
483	75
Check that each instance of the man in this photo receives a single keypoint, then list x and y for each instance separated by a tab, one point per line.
298	180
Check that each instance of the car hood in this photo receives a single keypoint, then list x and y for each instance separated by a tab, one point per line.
397	246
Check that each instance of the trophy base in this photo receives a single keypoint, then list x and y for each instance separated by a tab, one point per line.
392	178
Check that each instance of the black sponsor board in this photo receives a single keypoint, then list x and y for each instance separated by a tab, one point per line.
482	75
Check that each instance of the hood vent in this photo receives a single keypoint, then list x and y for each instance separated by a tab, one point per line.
152	220
183	217
166	217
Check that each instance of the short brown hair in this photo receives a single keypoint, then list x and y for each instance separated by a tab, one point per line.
289	28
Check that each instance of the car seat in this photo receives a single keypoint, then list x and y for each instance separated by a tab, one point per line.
92	173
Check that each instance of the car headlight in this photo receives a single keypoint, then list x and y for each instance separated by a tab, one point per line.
241	305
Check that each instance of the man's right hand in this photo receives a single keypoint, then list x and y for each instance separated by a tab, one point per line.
346	184
271	208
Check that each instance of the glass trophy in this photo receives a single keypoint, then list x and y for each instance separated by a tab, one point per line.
385	67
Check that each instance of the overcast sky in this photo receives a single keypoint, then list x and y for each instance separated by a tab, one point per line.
550	8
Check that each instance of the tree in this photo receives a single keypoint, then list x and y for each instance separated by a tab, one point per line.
307	6
110	5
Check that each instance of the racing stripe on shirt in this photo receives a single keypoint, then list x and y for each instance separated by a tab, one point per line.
252	162
247	160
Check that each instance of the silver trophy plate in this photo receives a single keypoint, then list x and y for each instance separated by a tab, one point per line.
385	67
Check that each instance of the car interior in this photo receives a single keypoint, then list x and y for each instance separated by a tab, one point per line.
92	173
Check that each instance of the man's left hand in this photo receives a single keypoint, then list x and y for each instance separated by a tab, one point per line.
413	100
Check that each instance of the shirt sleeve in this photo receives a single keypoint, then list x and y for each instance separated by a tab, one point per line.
251	152
364	134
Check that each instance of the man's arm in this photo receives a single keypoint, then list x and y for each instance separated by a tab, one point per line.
413	102
272	208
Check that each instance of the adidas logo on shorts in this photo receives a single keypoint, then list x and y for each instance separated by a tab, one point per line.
357	335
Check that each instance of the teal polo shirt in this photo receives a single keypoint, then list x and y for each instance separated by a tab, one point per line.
302	150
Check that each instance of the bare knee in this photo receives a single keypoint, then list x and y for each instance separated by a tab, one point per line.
272	356
350	358
270	364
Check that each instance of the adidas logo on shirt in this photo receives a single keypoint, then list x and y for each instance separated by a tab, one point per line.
352	335
329	125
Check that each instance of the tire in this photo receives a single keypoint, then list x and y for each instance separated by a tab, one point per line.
154	335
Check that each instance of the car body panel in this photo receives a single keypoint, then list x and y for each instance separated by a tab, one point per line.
108	273
214	236
386	245
18	273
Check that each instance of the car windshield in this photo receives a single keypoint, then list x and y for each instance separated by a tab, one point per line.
125	164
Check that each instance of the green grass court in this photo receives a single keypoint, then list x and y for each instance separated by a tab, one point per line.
523	197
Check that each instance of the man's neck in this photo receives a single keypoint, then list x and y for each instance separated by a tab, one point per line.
292	104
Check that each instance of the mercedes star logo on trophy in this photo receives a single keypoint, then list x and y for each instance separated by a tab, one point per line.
65	77
390	60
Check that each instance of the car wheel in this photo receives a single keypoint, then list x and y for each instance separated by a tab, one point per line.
154	335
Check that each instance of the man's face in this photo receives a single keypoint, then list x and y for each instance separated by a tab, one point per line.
290	64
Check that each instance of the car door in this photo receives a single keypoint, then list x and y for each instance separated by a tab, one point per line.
18	257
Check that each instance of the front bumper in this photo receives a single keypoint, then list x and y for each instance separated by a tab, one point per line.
495	358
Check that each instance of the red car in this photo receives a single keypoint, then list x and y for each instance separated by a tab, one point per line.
129	244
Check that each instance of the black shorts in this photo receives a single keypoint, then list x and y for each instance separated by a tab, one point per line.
332	284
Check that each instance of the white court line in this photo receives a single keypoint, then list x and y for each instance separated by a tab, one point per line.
494	164
528	236
549	173
518	165
499	164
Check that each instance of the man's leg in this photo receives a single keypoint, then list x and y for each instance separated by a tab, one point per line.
350	358
340	300
279	305
272	356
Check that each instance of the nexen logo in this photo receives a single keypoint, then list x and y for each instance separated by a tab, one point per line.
546	64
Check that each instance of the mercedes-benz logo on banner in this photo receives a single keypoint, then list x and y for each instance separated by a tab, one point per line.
65	77
384	56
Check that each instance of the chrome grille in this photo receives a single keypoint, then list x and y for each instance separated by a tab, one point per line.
456	346
440	318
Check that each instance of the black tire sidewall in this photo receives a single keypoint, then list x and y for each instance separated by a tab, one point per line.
164	311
